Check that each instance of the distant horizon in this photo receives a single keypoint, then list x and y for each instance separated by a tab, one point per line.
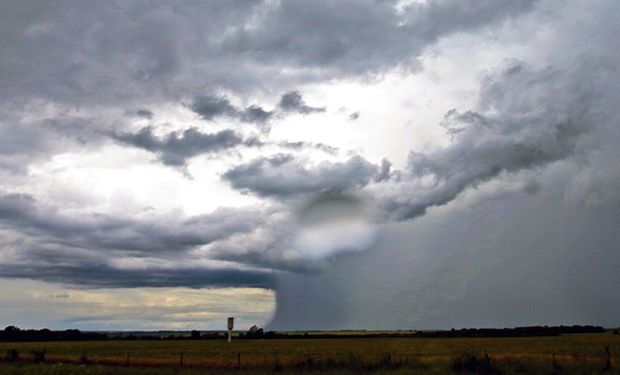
309	164
327	330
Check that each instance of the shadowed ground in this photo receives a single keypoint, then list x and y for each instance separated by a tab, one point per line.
576	353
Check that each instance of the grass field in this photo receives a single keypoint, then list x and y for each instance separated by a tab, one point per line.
576	353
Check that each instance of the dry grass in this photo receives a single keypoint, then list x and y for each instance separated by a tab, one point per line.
581	353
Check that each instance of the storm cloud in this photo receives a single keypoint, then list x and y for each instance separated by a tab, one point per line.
96	231
530	129
293	102
175	148
283	175
483	171
213	107
481	235
104	276
127	57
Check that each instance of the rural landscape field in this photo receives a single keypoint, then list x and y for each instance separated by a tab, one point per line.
568	353
309	186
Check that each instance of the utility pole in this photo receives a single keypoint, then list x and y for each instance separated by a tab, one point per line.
231	322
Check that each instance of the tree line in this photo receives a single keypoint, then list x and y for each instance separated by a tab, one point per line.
13	333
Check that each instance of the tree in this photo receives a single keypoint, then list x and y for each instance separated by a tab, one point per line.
255	331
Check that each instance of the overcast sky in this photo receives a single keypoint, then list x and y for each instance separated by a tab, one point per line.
309	165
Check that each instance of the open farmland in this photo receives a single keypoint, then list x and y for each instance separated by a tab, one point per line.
573	353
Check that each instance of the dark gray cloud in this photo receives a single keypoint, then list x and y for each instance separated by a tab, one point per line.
255	114
155	234
502	136
104	276
175	148
78	249
528	130
293	102
356	37
126	56
284	176
125	61
300	145
385	172
144	113
210	107
272	258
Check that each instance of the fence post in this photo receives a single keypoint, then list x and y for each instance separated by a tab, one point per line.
238	360
83	358
181	358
